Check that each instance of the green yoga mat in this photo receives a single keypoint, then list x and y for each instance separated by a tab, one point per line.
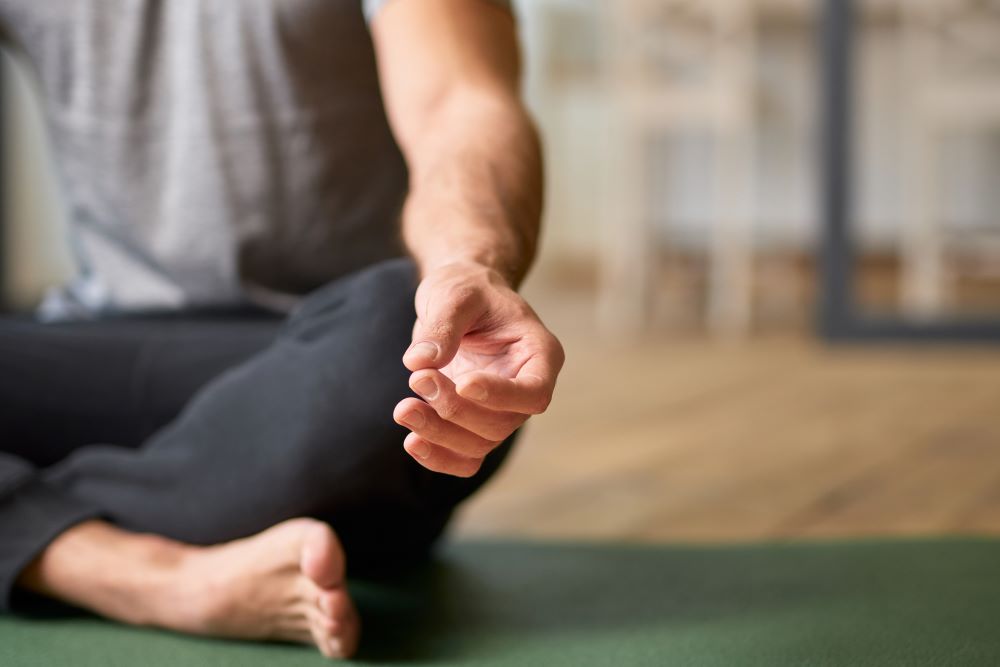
872	603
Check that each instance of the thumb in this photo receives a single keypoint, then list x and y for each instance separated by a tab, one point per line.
438	334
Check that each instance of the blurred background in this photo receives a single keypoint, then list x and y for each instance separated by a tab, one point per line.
687	221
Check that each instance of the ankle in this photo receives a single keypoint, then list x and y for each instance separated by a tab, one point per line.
102	568
158	553
166	585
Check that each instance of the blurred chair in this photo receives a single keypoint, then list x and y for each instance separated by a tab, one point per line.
951	55
711	91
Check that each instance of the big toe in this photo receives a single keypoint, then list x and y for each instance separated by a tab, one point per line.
322	556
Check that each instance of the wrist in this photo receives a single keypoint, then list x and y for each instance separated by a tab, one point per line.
469	266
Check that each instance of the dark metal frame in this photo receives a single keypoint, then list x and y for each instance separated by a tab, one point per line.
840	317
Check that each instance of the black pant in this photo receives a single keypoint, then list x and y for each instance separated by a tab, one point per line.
221	425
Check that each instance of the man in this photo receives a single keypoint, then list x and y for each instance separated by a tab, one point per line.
176	454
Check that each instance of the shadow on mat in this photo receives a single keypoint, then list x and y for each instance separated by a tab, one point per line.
478	594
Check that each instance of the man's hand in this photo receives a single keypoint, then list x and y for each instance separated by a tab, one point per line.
482	361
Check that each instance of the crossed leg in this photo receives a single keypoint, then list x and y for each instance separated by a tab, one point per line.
192	531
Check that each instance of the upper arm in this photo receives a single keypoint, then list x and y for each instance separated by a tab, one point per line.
429	50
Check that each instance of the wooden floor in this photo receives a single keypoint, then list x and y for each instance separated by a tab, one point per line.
686	439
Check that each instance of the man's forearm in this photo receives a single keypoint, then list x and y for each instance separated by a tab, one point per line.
475	186
481	360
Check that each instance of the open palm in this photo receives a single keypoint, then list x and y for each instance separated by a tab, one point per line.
483	363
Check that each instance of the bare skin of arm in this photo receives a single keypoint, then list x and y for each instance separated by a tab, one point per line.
481	359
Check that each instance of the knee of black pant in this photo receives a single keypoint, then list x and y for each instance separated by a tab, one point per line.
349	338
341	355
374	301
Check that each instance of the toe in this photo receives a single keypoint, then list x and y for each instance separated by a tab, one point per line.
348	629
336	625
325	602
322	556
334	639
334	604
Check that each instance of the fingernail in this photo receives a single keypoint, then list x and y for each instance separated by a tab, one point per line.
427	388
325	606
475	391
414	420
426	349
420	449
336	648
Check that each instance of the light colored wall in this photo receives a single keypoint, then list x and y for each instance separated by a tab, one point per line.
36	246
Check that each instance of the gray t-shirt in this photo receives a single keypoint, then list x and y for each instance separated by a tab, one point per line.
212	151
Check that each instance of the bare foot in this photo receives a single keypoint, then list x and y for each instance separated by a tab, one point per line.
284	584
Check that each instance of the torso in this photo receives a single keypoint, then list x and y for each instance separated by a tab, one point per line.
208	148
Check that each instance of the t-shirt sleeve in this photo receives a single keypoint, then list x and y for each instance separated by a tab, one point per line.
371	7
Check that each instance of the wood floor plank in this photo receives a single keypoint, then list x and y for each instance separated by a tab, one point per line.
775	438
